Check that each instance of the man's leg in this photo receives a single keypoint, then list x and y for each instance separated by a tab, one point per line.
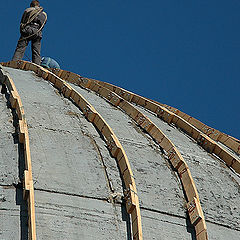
36	49
20	49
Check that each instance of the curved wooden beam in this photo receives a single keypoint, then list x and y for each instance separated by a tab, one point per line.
28	189
113	144
193	203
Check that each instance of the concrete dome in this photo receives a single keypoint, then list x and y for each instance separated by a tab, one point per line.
97	162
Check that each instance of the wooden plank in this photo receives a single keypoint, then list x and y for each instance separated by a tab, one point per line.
187	182
194	211
129	109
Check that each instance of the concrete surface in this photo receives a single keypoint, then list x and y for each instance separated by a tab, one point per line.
217	185
75	176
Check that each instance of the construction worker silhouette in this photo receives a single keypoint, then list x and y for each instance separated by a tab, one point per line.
32	23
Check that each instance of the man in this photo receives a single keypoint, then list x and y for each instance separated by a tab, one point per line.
32	23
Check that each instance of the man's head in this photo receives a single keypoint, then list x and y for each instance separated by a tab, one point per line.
35	3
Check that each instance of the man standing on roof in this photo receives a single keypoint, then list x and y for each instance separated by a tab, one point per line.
32	23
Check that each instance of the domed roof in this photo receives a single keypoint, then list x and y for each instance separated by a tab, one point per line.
95	161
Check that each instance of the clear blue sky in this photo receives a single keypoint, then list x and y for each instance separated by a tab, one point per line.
182	53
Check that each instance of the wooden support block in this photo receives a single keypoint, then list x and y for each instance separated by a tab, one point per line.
147	125
13	99
89	112
27	155
227	157
214	134
20	109
236	166
122	165
107	133
33	67
131	198
195	133
13	64
67	90
158	135
142	101
94	85
175	157
99	122
41	72
82	103
22	130
113	144
72	78
202	235
31	213
233	144
194	211
167	116
144	121
153	131
137	228
134	214
75	96
140	118
135	98
196	123
185	126
51	78
65	74
187	182
26	185
104	92
128	177
166	144
85	82
58	83
129	109
128	96
21	64
206	143
56	71
151	106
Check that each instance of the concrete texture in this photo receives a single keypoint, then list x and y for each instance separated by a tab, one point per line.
66	159
76	179
8	144
217	185
158	187
12	208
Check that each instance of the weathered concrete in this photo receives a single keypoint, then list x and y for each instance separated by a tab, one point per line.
8	145
12	210
75	177
13	214
217	185
62	216
66	159
157	185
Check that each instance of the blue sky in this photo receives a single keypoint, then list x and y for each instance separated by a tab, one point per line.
182	53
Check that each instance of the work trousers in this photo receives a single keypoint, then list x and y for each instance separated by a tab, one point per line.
22	45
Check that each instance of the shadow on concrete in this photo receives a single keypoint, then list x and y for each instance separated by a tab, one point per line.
21	166
190	229
23	212
126	218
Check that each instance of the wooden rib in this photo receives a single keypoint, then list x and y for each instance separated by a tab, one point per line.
227	140
28	189
193	203
113	144
208	143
